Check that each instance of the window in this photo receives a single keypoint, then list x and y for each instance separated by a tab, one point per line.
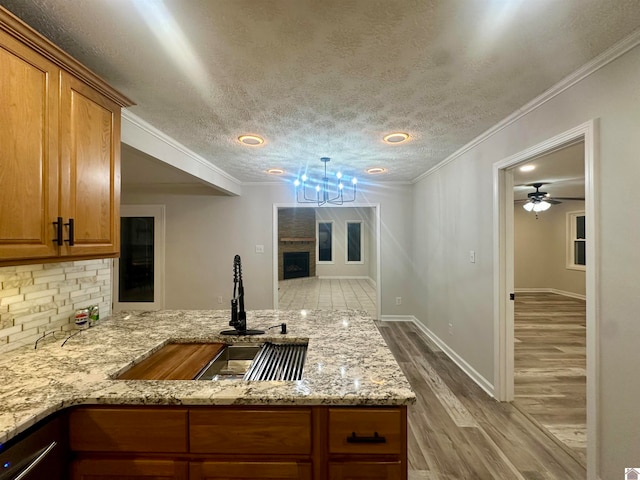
577	242
354	242
325	242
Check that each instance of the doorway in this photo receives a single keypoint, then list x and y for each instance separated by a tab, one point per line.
504	273
138	280
372	248
549	307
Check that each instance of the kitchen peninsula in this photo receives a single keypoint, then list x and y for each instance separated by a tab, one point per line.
345	417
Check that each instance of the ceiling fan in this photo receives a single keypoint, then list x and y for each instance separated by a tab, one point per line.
540	201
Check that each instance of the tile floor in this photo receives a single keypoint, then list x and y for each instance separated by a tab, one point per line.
312	293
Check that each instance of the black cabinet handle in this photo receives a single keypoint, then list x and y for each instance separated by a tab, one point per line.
71	232
375	439
58	225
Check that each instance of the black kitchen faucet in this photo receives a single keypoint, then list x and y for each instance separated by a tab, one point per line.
238	315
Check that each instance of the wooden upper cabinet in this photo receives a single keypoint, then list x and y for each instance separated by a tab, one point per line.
90	166
59	152
28	152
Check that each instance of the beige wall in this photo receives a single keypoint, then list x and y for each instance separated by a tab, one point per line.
540	249
40	298
450	219
203	233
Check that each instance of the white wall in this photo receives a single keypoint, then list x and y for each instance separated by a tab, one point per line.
453	214
203	233
540	249
340	216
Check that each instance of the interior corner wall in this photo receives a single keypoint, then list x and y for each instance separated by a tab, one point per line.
204	232
452	215
540	250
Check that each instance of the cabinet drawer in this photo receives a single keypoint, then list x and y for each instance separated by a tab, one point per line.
254	470
281	431
365	430
128	430
365	470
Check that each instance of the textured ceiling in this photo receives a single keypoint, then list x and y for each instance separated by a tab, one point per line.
331	77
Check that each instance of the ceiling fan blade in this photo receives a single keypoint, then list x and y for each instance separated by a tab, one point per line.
552	201
569	198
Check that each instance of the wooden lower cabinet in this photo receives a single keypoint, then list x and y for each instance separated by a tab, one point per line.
238	443
249	470
129	469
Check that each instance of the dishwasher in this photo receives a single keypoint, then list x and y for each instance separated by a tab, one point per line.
40	453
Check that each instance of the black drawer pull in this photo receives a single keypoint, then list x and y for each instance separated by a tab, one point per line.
58	226
375	439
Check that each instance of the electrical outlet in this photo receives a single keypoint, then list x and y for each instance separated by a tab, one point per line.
472	256
259	248
219	299
398	300
451	329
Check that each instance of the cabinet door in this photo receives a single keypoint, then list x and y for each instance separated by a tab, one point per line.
366	471
249	471
128	469
90	169
28	152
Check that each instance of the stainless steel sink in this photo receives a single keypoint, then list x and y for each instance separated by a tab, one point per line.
268	361
230	364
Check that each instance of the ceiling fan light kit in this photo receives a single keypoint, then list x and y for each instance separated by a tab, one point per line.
539	206
538	201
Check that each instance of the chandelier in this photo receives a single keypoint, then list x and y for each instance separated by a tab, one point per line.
323	193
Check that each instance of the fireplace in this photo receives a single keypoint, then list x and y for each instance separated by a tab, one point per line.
295	264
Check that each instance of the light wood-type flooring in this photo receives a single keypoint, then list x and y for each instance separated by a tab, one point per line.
457	432
550	365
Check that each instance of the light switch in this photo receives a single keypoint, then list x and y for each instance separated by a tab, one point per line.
472	256
259	248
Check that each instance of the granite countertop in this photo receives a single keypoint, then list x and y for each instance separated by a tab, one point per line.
348	363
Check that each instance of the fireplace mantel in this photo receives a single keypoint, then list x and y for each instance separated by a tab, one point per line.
297	239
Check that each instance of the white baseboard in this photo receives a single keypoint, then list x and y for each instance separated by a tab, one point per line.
372	282
457	359
551	290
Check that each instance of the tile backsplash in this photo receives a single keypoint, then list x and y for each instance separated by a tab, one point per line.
36	299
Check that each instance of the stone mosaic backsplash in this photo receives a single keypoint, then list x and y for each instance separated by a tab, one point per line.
36	299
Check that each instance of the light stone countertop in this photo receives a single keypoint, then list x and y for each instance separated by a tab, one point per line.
348	363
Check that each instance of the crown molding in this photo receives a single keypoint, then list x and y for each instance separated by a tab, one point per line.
606	57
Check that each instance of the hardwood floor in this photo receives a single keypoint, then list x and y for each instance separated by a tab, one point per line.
550	365
456	431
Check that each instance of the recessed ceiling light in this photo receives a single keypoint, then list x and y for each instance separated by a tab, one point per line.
397	137
527	168
376	170
251	140
275	171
